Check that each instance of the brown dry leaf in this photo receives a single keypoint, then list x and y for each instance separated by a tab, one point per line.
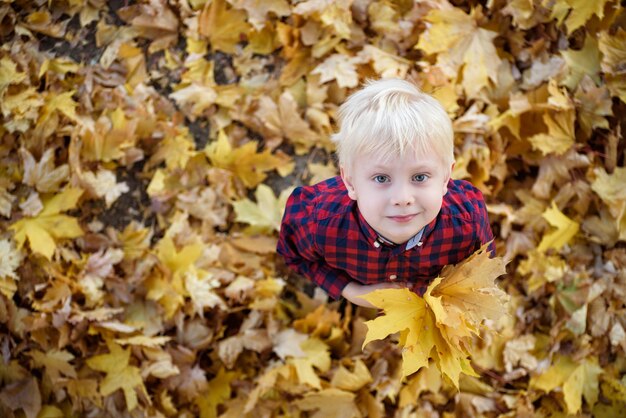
23	395
222	25
258	10
10	260
610	188
43	175
330	403
340	68
155	21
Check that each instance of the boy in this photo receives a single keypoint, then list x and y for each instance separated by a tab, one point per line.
393	217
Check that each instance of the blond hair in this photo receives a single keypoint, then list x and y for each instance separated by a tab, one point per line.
391	117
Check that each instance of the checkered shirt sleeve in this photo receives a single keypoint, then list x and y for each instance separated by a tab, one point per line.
297	244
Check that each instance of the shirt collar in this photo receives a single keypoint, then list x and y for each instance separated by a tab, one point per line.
376	240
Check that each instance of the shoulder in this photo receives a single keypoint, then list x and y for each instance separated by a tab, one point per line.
320	201
463	199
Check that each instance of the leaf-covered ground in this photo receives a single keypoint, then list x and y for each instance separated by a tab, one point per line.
146	153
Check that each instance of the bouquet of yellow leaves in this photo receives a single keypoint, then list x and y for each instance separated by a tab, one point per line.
441	324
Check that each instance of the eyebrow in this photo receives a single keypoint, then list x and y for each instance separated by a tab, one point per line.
420	167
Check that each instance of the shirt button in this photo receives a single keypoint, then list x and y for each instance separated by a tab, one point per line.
393	277
376	244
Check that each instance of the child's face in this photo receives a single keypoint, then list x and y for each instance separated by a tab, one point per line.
397	197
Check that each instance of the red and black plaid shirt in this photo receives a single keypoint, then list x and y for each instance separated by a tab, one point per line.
325	238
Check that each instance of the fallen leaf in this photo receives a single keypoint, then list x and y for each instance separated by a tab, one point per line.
329	403
119	374
266	214
459	43
566	229
43	175
10	260
43	230
577	379
222	25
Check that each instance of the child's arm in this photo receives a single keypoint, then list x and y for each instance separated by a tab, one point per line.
296	244
353	291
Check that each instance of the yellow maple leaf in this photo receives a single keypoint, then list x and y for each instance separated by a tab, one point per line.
119	374
112	136
578	379
177	262
56	363
218	391
467	291
440	325
581	11
135	240
266	214
248	164
335	15
458	41
265	383
316	354
566	229
62	103
329	403
427	379
320	172
560	136
610	188
175	150
60	66
352	381
9	74
49	225
585	61
222	25
23	108
169	289
262	41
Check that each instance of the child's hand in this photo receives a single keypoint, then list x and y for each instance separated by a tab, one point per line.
353	291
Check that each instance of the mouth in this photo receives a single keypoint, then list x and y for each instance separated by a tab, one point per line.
402	218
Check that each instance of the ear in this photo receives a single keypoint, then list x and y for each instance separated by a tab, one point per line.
447	178
347	180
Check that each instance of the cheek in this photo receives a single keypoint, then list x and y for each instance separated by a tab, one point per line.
433	198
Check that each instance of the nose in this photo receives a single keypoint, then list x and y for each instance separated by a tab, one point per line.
403	195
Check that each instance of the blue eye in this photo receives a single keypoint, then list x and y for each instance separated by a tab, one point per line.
420	178
380	178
